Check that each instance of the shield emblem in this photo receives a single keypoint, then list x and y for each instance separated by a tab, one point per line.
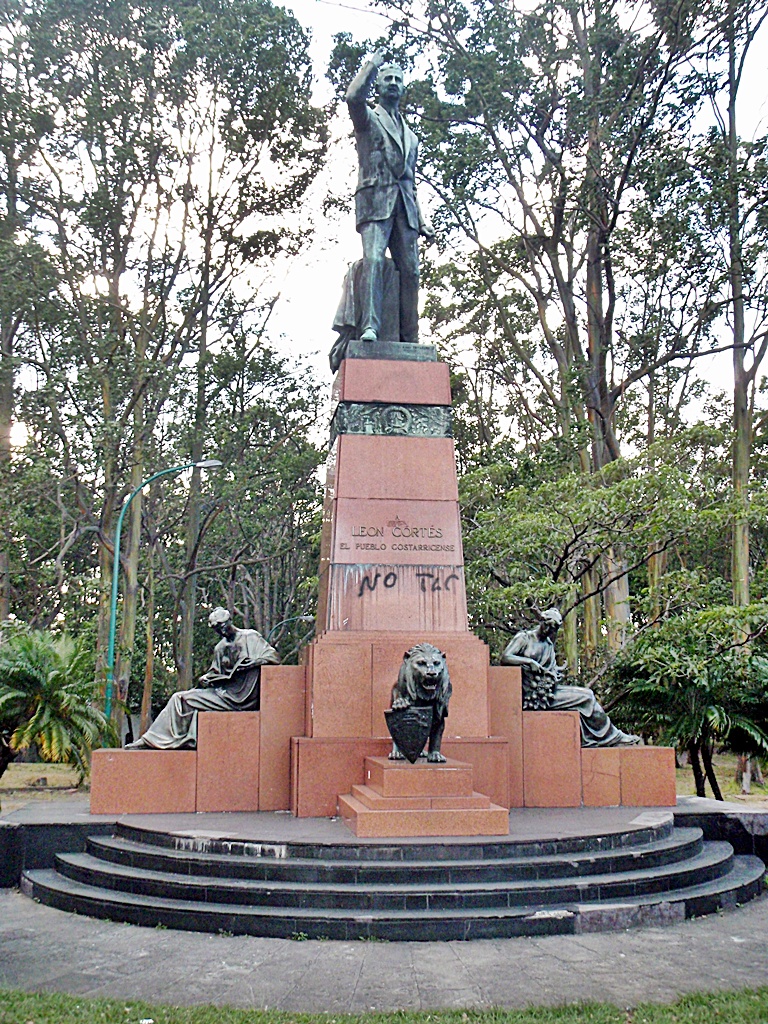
409	728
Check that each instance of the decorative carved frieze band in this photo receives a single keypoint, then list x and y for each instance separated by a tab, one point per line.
392	420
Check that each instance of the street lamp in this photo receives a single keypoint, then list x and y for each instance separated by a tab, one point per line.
293	618
110	666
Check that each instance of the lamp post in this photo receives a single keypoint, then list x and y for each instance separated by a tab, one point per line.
110	666
293	618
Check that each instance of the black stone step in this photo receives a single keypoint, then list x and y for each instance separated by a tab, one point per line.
404	894
404	850
743	881
679	845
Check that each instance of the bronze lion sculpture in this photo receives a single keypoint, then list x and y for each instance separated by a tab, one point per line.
422	681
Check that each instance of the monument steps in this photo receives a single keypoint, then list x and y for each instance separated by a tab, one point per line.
682	844
743	883
656	825
370	798
712	862
406	891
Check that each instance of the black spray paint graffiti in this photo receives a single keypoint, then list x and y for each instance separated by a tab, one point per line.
390	580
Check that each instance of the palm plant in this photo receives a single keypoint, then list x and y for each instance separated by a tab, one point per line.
689	684
46	694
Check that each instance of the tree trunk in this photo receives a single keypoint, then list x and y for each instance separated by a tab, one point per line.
106	542
571	644
742	426
616	597
706	756
130	563
7	333
188	598
744	773
106	556
656	567
698	774
600	304
591	636
7	755
146	695
6	418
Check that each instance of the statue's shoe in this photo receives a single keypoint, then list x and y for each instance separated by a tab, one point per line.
628	740
369	335
138	745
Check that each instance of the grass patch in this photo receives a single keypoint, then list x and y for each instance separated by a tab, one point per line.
746	1007
23	783
725	772
23	775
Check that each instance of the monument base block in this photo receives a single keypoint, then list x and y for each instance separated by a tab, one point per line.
143	781
228	761
601	776
422	799
648	777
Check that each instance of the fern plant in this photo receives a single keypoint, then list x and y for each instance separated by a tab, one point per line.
46	699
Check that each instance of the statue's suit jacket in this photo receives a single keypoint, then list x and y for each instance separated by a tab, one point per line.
387	159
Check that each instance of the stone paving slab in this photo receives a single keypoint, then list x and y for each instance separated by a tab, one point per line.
42	949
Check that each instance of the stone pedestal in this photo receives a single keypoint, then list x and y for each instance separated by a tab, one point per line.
391	576
648	777
601	777
401	799
143	781
227	761
391	554
552	758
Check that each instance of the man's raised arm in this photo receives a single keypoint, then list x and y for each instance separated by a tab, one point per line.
360	87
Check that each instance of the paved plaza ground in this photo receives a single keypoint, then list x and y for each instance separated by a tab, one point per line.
42	949
47	950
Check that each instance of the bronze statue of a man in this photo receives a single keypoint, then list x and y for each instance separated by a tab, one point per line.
232	683
543	689
386	208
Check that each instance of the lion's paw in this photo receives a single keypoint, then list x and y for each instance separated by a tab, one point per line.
399	703
436	757
396	755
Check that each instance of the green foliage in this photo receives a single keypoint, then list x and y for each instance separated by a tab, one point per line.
698	679
533	530
153	162
46	694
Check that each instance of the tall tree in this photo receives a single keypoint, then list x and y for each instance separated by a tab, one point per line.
735	208
25	277
182	133
549	134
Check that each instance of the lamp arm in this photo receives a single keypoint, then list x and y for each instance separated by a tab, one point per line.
110	666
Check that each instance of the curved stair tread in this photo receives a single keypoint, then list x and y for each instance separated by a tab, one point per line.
450	848
745	870
711	858
50	880
676	845
744	881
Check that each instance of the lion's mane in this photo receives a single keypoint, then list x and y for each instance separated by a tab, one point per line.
409	679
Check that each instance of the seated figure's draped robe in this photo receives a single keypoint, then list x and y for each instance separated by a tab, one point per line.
232	683
597	730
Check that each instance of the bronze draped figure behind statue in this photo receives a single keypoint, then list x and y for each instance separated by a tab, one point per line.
232	683
544	688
